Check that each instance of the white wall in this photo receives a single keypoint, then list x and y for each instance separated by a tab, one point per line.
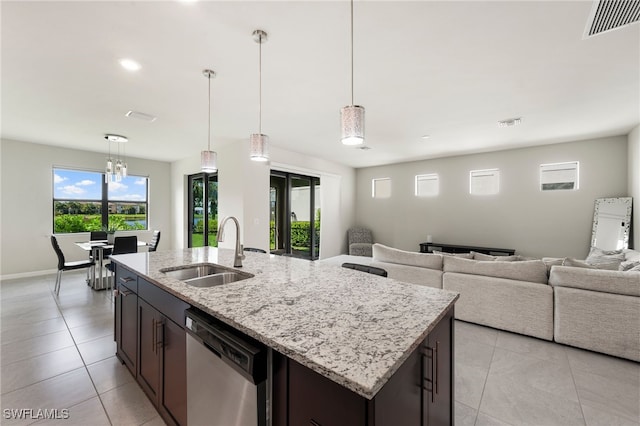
243	192
634	182
27	203
535	223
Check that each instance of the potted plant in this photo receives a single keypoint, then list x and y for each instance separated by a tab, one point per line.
111	233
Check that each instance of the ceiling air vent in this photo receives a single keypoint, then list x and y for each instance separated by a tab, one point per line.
607	15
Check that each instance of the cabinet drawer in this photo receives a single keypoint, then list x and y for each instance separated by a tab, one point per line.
168	304
126	278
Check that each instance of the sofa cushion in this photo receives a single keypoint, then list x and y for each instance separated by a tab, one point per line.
631	259
382	253
617	282
551	261
528	270
411	274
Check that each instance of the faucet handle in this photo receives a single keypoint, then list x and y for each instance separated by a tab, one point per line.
242	256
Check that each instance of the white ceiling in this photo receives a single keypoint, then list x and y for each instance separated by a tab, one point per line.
449	69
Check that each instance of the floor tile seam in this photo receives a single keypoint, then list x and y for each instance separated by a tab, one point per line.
11	342
92	339
86	368
69	408
612	412
631	381
43	380
468	406
2	364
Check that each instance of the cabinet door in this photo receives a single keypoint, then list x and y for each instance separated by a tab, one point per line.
127	328
438	373
174	371
317	401
149	325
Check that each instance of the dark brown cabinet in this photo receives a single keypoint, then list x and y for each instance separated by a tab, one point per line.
437	366
419	393
151	341
126	318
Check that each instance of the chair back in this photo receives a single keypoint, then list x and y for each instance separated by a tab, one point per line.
153	245
98	236
124	245
366	268
255	250
56	248
359	235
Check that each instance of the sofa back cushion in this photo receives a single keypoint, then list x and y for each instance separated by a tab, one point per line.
534	271
382	253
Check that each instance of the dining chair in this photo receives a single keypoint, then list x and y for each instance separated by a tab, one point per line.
153	245
63	265
122	245
97	236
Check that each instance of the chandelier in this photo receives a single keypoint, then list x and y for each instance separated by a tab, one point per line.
116	167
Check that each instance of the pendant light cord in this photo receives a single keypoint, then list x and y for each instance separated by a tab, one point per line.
260	84
209	117
351	52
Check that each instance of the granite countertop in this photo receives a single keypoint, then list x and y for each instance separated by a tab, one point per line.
354	328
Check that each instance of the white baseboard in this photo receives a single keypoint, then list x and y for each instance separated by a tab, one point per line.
28	274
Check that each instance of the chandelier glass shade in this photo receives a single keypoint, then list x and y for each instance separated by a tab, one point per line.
208	158
116	167
258	142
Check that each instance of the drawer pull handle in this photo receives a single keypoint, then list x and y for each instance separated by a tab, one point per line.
125	280
430	354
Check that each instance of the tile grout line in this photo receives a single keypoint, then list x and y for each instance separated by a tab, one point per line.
82	358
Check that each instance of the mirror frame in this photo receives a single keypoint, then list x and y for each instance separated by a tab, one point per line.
627	203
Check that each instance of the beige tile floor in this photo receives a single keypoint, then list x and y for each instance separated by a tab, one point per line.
58	352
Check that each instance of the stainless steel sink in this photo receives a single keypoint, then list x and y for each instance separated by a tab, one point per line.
206	274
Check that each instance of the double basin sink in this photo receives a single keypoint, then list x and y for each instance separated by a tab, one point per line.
205	274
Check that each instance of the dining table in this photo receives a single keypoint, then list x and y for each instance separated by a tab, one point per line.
97	249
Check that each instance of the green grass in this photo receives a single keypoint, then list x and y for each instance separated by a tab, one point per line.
197	240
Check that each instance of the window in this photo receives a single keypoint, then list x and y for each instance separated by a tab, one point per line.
381	188
83	202
484	182
427	185
559	176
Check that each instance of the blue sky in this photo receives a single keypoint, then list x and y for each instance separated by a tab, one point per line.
79	185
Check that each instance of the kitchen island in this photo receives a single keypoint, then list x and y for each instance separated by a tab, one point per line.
360	333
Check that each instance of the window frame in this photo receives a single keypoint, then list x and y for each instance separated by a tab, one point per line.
549	166
495	172
427	177
104	200
373	188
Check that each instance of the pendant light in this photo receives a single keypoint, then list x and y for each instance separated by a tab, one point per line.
352	116
259	143
116	168
208	158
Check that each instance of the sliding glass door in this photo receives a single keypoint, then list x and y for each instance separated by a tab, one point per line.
203	210
295	215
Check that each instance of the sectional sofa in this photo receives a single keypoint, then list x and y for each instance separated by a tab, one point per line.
589	308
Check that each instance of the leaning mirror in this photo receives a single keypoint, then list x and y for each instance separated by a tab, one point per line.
611	223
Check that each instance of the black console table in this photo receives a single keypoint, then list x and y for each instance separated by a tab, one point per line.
452	248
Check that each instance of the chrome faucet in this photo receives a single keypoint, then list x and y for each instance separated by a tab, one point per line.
238	256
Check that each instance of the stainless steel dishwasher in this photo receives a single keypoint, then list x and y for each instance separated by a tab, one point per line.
226	375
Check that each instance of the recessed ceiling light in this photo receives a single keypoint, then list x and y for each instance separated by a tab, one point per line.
141	116
425	136
363	147
510	122
130	64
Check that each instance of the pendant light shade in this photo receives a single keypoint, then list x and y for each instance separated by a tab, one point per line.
208	158
352	125
352	116
259	147
258	142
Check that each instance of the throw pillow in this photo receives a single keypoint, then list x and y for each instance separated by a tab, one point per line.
550	261
598	257
610	266
629	265
482	256
461	255
634	269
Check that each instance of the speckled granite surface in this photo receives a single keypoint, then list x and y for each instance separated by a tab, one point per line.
354	328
